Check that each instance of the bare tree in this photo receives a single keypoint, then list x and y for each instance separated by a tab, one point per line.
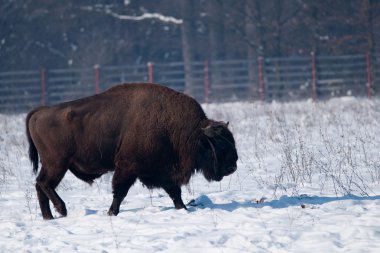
256	46
188	35
368	13
216	38
76	33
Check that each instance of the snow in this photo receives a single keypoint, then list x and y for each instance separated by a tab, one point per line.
307	181
157	16
146	15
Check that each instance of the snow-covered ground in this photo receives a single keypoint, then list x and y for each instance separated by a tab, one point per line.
308	180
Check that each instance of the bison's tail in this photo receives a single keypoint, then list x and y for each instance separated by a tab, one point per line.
33	153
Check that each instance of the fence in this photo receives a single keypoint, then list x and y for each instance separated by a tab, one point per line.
264	79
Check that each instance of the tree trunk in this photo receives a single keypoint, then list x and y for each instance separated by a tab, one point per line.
315	28
187	33
216	38
371	35
251	50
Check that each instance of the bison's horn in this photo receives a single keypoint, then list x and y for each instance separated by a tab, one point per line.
221	123
215	157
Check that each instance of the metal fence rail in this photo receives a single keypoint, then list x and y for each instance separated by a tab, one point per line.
267	79
20	90
171	74
68	84
230	81
346	75
111	75
288	78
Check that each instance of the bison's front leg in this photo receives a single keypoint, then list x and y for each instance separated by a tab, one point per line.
121	182
174	192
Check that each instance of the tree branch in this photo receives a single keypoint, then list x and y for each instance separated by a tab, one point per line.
160	17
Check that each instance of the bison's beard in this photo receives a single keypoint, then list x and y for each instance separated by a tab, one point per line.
210	175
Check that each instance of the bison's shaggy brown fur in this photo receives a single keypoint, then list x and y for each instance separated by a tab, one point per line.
139	131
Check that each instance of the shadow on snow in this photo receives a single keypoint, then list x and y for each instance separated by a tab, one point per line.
283	202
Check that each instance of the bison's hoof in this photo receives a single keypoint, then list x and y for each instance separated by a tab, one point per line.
180	206
62	211
112	213
48	218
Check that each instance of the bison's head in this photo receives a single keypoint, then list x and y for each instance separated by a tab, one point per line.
217	153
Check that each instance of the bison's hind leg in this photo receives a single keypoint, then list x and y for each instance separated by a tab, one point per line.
44	203
47	181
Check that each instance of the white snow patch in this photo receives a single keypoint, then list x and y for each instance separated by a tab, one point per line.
307	181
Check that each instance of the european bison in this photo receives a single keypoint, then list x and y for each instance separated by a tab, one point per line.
140	131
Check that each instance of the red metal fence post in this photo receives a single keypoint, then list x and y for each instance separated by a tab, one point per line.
369	75
43	86
261	77
150	72
313	77
206	80
97	79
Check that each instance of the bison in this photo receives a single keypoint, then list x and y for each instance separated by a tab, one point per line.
140	131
